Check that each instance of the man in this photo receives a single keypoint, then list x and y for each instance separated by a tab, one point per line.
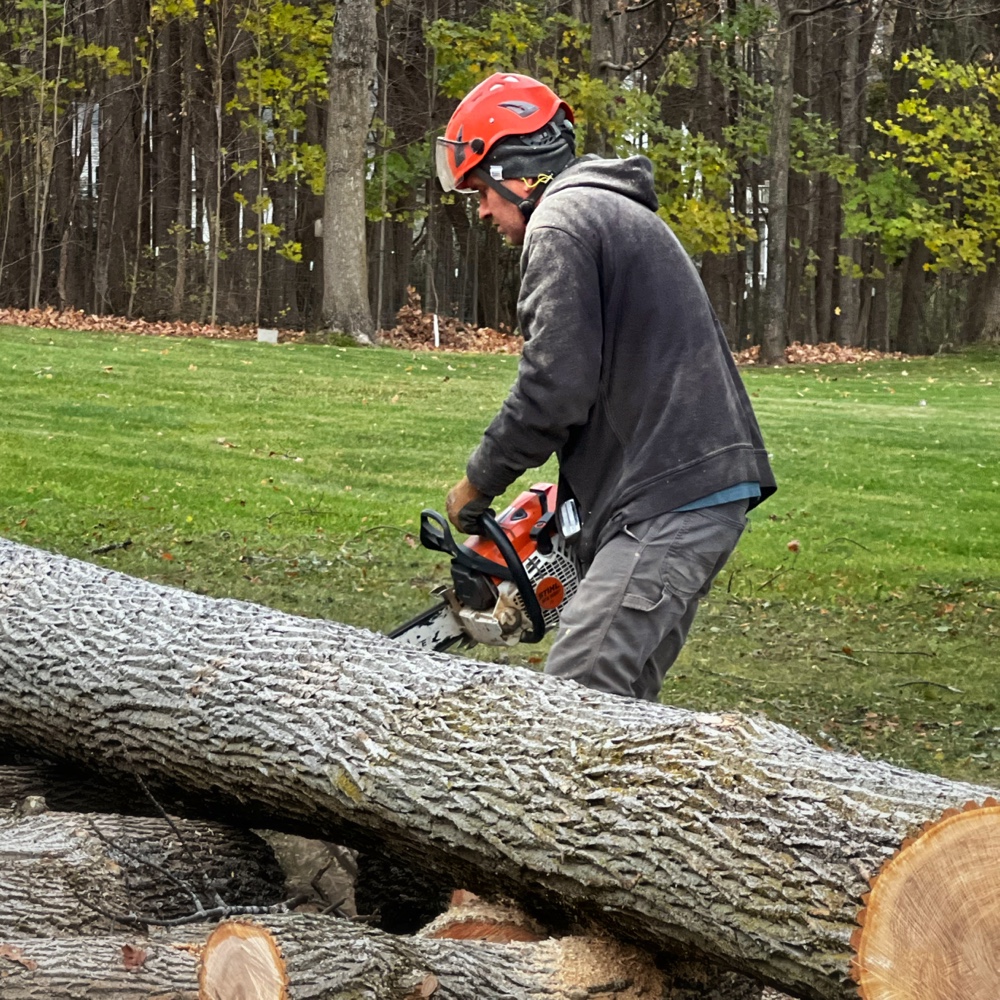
625	375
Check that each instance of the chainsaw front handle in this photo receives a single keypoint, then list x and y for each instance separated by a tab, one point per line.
435	534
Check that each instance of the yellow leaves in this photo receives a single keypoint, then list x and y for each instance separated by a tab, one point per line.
941	158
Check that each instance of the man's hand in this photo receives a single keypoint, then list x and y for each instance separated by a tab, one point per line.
465	504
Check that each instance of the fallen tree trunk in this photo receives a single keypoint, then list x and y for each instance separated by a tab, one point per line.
728	835
321	958
68	874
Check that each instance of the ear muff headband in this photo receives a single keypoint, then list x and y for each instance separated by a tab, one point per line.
526	205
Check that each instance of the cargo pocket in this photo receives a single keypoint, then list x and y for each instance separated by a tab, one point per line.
640	602
707	542
659	537
681	553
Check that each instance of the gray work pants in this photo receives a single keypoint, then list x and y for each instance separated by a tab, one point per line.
626	624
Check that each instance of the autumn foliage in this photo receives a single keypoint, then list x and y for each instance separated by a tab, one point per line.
414	331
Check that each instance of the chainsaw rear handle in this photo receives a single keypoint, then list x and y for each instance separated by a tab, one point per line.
435	534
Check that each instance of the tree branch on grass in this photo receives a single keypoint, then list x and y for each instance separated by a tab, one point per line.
946	687
898	652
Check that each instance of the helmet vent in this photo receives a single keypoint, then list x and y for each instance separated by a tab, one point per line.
521	108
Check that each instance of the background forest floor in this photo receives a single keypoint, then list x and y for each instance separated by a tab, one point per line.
414	331
292	475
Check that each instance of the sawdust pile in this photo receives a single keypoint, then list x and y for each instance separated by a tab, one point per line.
414	331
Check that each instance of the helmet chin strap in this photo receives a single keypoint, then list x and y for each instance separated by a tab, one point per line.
525	205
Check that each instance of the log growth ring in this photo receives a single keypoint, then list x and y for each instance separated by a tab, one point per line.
930	929
241	960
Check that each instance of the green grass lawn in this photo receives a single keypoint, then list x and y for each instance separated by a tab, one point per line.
293	476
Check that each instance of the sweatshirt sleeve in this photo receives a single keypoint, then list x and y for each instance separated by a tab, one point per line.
559	376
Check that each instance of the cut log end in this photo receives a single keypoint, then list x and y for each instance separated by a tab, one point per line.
931	927
241	960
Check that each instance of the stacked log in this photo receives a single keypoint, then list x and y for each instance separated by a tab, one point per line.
70	874
723	838
322	958
69	882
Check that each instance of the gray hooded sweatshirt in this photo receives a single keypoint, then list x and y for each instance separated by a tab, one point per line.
626	374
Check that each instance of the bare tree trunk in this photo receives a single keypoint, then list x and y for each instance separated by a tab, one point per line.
141	204
118	190
717	270
182	226
982	320
71	203
846	323
801	324
606	53
828	220
730	835
215	229
44	143
775	338
346	307
909	333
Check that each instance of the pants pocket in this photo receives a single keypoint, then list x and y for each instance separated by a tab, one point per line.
681	553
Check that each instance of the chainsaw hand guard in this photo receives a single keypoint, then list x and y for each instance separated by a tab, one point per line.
496	535
436	535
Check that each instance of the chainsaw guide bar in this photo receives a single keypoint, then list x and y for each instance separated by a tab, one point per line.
436	628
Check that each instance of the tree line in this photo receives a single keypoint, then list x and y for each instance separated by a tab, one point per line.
833	166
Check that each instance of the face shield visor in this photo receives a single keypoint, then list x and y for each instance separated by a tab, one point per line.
449	156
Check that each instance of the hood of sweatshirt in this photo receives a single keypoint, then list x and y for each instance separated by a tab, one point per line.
632	177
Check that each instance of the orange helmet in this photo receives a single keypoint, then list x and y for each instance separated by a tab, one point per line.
506	104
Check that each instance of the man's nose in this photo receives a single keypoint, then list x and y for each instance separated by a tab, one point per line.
484	211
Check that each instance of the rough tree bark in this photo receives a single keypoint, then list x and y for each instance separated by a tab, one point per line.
315	872
60	871
345	265
61	874
328	959
67	789
982	318
728	835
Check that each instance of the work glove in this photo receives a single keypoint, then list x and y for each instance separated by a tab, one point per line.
465	505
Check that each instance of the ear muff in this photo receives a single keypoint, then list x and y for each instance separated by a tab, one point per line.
526	206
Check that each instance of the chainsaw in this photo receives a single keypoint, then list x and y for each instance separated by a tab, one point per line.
510	582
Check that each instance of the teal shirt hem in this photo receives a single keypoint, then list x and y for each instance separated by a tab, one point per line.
741	491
